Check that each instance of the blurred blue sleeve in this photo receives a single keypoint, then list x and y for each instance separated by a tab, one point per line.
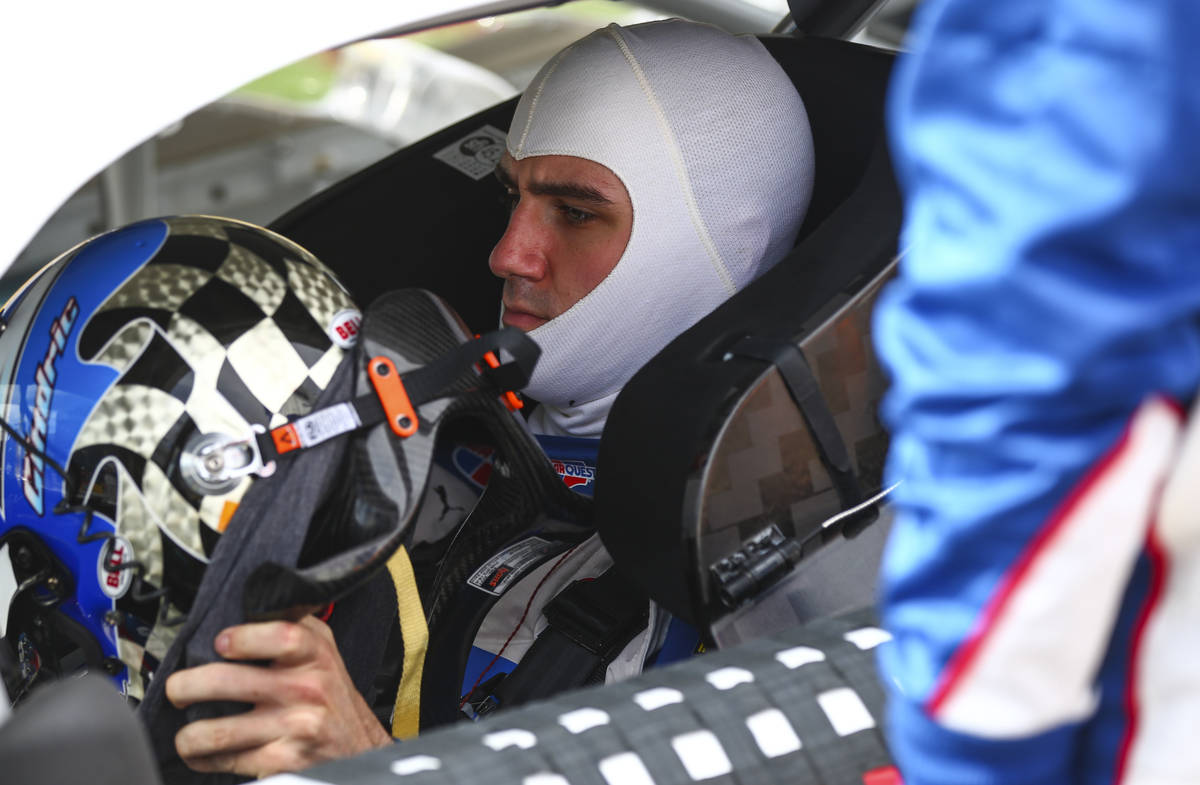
1049	153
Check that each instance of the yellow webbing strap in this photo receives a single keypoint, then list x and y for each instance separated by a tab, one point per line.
407	712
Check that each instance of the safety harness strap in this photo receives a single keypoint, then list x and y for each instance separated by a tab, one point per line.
802	385
406	713
395	397
589	624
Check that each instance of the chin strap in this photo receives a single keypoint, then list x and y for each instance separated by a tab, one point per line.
396	397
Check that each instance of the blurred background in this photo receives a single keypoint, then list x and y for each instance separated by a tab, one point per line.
272	143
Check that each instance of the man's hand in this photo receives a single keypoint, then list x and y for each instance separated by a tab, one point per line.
306	709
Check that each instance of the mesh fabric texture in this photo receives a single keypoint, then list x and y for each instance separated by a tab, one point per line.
719	177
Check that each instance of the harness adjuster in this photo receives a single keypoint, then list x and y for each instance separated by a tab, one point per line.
398	410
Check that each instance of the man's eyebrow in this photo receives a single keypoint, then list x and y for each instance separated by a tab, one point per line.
571	190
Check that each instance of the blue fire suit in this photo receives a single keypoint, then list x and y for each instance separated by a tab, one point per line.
1043	340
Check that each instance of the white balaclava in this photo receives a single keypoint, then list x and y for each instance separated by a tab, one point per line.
712	142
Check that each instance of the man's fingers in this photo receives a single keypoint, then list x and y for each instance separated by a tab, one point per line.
256	744
319	627
286	643
221	681
258	762
306	708
225	736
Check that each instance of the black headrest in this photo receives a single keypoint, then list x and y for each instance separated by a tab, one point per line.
844	87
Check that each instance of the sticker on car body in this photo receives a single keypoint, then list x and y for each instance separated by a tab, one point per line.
475	154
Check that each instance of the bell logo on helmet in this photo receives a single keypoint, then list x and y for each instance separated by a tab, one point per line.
114	581
343	328
33	469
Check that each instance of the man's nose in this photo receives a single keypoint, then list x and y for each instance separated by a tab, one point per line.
521	251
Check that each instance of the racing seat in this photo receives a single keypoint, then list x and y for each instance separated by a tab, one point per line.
726	457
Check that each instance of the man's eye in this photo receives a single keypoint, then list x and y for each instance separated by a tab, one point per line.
574	214
509	199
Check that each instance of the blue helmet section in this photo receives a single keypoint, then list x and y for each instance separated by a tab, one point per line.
48	393
118	363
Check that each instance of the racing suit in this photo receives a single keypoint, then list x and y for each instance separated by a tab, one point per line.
1042	339
527	574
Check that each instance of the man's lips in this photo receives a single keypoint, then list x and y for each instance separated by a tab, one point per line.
522	320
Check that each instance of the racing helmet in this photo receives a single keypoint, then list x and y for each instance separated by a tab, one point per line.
127	368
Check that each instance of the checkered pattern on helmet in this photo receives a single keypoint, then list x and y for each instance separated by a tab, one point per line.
317	291
254	277
199	226
134	417
166	286
126	346
225	327
140	530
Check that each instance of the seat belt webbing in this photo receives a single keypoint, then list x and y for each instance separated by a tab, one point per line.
802	386
415	635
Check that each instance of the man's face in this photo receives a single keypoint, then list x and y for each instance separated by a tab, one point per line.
570	222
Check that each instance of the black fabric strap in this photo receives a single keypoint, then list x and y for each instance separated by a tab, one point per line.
802	386
439	378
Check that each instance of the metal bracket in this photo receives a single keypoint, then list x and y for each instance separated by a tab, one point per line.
762	560
214	463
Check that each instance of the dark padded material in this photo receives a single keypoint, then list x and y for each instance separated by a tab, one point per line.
801	707
844	87
75	732
664	422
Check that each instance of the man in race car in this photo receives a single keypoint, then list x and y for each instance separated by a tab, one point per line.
647	185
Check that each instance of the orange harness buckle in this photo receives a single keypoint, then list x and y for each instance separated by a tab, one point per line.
401	416
510	398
